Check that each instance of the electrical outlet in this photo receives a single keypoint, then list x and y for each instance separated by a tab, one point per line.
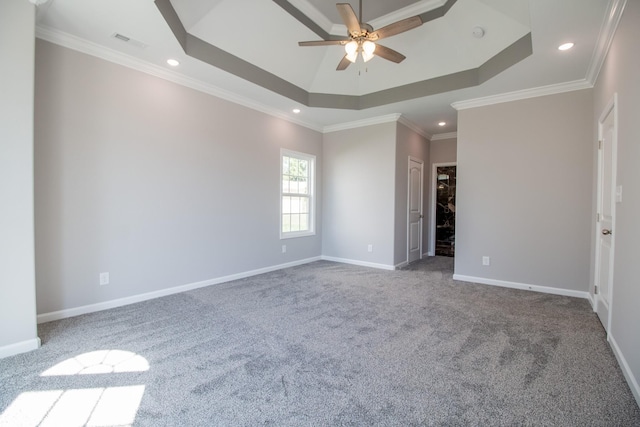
104	279
284	249
370	248
486	260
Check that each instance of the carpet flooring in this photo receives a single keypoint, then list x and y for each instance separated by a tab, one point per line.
326	344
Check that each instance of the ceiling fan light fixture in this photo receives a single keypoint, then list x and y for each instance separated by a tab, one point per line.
368	47
351	49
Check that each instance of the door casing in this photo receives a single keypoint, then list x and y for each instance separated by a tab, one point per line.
415	212
602	300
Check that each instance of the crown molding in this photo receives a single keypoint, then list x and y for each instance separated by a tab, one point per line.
414	127
605	38
84	46
362	123
443	136
523	94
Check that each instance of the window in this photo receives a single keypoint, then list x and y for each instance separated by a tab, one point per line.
297	207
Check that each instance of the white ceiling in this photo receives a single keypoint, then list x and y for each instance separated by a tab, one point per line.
264	34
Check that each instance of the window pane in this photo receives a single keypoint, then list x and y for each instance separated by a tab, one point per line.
303	187
304	222
295	198
303	167
295	222
304	205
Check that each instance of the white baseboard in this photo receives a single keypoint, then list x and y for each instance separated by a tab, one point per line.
591	300
430	253
626	370
19	347
402	264
524	286
91	308
360	263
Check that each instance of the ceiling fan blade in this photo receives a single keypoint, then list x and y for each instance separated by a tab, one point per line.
323	42
344	63
397	28
349	17
389	54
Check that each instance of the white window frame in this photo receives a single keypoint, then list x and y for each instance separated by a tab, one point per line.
312	189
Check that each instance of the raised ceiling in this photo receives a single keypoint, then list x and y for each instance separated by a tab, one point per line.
256	41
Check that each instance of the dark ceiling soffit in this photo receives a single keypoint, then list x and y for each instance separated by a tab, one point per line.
508	57
438	12
173	21
200	49
303	19
212	55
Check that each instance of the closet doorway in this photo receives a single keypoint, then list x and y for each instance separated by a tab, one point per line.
443	209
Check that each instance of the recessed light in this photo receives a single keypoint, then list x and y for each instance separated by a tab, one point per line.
173	62
442	124
565	46
296	111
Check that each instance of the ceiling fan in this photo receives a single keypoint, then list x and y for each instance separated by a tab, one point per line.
362	38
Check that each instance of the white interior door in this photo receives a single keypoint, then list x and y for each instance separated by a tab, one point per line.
414	238
606	215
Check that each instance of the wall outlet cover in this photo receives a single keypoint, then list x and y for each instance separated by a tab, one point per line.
486	260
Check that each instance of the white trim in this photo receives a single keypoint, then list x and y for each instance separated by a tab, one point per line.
591	301
421	162
430	253
91	308
19	347
401	265
441	136
75	43
611	108
605	38
432	203
357	262
312	194
626	369
362	123
523	94
414	127
523	286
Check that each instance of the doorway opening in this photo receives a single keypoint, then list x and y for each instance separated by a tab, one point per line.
444	209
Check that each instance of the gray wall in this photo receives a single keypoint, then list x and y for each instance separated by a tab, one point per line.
620	74
525	191
155	183
409	143
17	282
443	150
358	199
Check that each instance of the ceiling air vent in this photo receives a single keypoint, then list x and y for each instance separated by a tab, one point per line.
129	40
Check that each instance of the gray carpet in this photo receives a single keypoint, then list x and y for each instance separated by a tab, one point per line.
332	344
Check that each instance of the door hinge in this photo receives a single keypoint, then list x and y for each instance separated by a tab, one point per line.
595	290
599	144
597	217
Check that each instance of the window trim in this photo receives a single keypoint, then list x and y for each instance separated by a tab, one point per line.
312	193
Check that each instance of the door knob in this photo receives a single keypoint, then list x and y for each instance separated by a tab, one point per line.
606	232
